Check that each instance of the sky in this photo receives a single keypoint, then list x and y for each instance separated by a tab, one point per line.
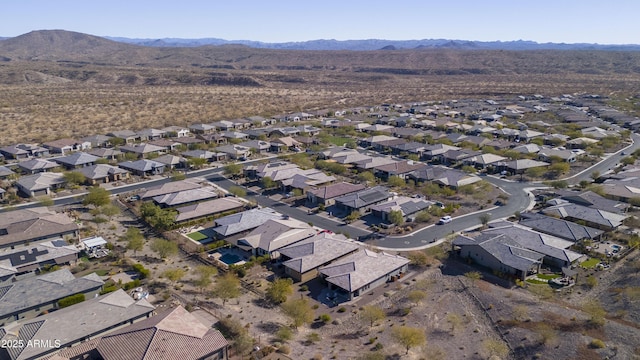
559	21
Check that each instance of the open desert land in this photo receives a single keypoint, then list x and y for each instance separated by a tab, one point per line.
87	85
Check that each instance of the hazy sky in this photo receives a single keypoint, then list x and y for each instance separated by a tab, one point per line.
569	21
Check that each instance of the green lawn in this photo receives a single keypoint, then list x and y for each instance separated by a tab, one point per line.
197	236
340	141
590	264
102	272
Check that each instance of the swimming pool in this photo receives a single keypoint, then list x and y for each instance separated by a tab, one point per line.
229	259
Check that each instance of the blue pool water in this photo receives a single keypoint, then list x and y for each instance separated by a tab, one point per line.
229	259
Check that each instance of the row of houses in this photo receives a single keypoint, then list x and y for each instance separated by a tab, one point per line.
545	237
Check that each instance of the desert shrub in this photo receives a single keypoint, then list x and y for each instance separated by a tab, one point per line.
597	344
70	300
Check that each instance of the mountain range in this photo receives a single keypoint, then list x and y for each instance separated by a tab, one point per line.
378	44
373	44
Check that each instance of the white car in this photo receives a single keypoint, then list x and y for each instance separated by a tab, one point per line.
445	220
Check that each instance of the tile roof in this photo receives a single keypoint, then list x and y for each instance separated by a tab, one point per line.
33	224
277	233
170	187
316	251
32	292
558	227
175	334
208	208
364	197
361	268
100	171
33	165
186	196
73	324
336	190
243	221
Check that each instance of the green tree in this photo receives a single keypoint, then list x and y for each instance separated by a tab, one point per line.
164	248
535	172
353	216
367	177
196	162
233	170
204	272
284	334
484	219
408	337
45	201
494	347
227	287
74	178
174	275
134	239
110	210
299	310
370	314
157	217
416	296
238	191
396	217
97	197
279	289
595	175
268	183
396	182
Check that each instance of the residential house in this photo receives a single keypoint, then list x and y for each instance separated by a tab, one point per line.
560	228
400	169
284	131
580	143
172	162
235	152
599	219
143	150
373	162
456	156
97	141
40	184
188	141
202	128
34	225
102	173
519	166
360	272
275	234
288	142
73	325
109	154
244	221
174	334
63	146
185	197
176	131
528	149
208	208
443	176
34	166
143	167
201	154
549	154
326	195
128	136
258	134
5	172
216	139
303	259
499	253
307	130
168	188
431	151
484	161
167	144
235	135
257	146
363	200
590	199
29	297
555	250
406	205
409	148
23	151
23	261
151	134
76	160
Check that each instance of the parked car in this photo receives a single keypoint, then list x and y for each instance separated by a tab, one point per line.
445	220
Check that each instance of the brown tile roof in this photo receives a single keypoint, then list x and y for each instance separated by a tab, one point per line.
401	167
175	334
335	190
